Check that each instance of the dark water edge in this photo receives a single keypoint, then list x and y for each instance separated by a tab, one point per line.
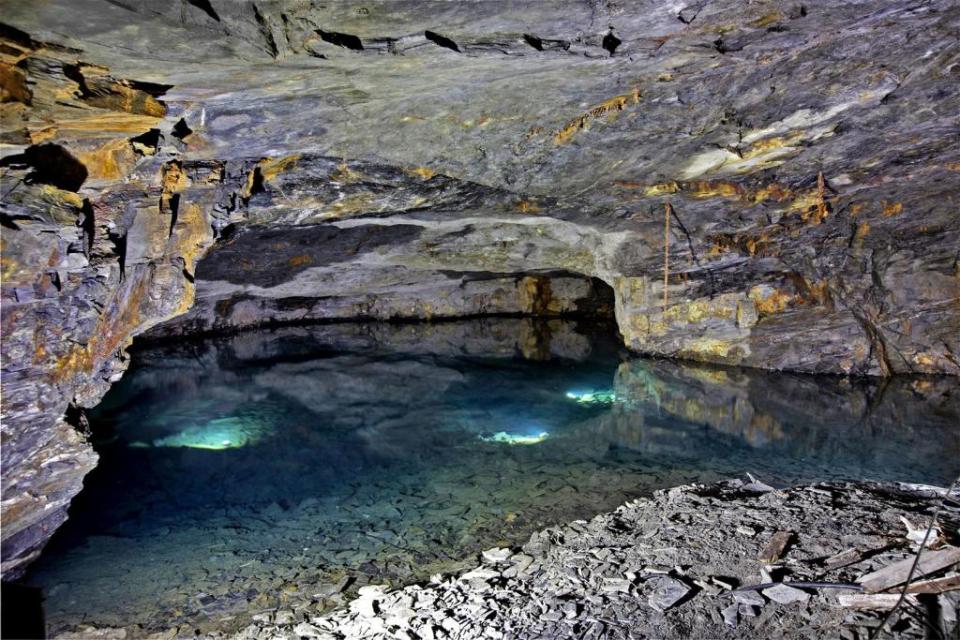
245	471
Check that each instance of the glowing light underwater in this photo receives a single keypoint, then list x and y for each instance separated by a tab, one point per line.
502	437
600	397
215	435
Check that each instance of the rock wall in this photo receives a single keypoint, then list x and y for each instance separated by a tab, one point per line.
82	271
766	184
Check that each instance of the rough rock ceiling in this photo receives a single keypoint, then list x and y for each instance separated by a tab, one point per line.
450	158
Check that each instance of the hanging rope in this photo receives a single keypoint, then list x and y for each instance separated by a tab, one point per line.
666	251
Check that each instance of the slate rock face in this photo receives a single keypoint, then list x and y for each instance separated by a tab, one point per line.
766	184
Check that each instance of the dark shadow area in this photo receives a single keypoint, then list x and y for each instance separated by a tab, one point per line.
146	141
533	41
22	617
345	40
611	42
441	41
266	257
204	5
181	130
50	164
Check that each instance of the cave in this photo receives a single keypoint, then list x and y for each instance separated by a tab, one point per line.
479	319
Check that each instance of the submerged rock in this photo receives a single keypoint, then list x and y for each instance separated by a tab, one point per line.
217	434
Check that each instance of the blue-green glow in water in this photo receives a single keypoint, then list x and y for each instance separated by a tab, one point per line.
535	437
243	472
601	396
215	434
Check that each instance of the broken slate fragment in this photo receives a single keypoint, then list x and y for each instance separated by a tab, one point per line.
785	594
757	486
918	534
497	555
731	614
749	597
775	546
843	558
897	573
613	585
872	601
665	592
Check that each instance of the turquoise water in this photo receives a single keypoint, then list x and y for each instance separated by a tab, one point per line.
245	472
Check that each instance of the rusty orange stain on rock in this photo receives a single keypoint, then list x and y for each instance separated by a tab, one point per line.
299	261
424	173
110	161
715	188
662	189
270	168
767	20
527	206
345	175
13	84
614	105
173	179
192	235
892	209
861	232
769	302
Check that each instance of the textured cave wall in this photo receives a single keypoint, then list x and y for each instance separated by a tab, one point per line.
405	159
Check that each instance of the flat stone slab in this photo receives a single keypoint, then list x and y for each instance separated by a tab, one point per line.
666	592
785	594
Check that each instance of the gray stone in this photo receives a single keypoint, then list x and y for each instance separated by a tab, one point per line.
785	594
497	555
749	597
731	614
664	592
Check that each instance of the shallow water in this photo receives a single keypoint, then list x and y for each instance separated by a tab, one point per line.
240	473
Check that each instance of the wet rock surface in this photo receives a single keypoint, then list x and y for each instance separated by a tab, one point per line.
759	184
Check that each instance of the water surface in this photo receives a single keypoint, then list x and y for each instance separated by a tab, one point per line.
244	472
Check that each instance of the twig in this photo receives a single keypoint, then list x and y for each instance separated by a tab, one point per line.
916	560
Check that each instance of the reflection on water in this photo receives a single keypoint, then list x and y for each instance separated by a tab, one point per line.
244	472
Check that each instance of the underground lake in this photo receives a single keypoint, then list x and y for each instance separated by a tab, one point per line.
251	471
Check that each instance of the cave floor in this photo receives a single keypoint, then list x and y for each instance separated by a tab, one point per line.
729	560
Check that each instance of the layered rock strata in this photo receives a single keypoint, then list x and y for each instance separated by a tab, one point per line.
766	184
